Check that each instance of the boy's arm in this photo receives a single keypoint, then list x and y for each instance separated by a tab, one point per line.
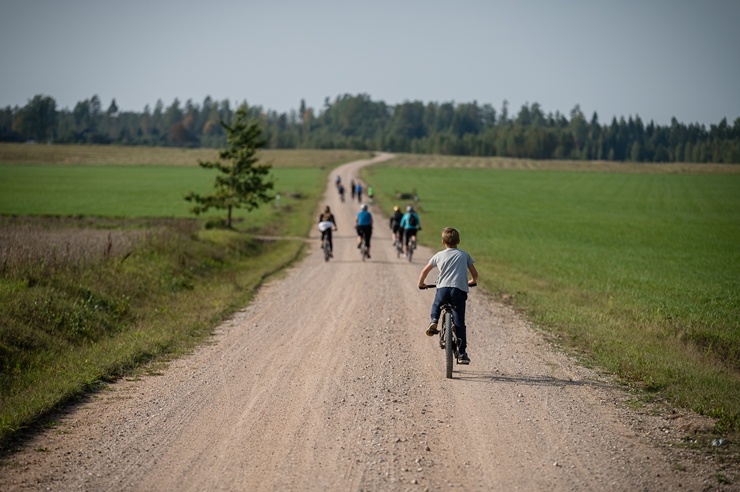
474	274
423	276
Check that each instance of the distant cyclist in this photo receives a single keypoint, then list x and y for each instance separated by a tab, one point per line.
395	225
364	226
411	226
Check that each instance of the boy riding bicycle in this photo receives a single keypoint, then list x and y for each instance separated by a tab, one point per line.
452	286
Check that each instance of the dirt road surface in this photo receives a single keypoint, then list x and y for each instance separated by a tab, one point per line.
327	382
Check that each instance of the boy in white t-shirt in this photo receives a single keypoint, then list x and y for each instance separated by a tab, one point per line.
452	285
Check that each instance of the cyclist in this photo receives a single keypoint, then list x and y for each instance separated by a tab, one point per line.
358	192
452	286
326	224
395	225
364	226
341	191
411	226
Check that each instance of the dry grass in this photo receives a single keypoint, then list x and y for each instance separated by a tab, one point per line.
58	242
11	153
441	161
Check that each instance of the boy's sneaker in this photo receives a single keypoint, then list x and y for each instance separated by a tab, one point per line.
432	330
463	359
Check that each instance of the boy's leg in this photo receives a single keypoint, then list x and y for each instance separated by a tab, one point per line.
439	299
458	298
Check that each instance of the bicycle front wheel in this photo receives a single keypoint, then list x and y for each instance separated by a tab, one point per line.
447	319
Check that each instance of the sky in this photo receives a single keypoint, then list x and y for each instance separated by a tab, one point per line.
655	59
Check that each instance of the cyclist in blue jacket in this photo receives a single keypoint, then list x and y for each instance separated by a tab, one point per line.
411	225
364	226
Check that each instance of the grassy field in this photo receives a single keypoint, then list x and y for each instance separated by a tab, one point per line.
102	270
635	267
638	271
129	182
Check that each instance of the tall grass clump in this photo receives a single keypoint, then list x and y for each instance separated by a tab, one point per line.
638	269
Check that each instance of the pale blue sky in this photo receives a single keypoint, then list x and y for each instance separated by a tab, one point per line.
652	58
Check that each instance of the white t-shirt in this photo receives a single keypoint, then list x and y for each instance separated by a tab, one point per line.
453	268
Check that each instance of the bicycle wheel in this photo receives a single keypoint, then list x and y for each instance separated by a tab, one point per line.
327	250
447	318
412	247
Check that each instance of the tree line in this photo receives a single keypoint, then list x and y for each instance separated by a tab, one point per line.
360	123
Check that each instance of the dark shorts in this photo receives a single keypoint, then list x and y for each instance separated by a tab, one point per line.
366	231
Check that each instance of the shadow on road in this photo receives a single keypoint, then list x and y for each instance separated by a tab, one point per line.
533	380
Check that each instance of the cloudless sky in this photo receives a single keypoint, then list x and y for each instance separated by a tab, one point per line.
652	58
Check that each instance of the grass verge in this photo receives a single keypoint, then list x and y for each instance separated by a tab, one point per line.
638	272
121	276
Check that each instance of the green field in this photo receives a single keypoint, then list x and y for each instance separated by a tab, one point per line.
635	268
103	270
640	272
128	182
125	191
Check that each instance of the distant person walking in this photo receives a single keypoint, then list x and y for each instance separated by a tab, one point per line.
353	189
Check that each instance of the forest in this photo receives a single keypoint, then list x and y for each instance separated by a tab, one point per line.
357	122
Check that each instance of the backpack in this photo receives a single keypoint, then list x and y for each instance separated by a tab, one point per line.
413	221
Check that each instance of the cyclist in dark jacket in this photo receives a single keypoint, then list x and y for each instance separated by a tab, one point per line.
327	222
395	225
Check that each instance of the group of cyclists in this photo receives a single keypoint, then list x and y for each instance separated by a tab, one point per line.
453	263
405	226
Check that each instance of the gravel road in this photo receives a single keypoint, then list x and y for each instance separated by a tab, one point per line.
327	382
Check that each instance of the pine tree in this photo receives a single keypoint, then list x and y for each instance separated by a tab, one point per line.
244	181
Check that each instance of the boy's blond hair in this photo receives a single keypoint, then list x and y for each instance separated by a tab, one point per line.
450	236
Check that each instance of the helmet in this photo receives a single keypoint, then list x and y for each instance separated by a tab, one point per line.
395	208
364	206
409	208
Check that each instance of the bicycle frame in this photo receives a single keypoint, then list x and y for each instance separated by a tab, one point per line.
447	334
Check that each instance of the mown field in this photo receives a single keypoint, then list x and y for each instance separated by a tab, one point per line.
637	268
103	270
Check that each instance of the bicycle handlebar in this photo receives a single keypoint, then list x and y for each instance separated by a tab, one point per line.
434	286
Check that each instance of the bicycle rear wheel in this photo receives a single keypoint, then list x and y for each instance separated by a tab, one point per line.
327	250
447	324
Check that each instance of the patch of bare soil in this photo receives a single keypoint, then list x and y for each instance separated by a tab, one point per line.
328	382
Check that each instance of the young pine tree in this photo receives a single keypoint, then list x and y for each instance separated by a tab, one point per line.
243	181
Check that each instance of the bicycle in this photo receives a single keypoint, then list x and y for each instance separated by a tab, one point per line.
412	247
326	246
399	244
363	248
447	334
